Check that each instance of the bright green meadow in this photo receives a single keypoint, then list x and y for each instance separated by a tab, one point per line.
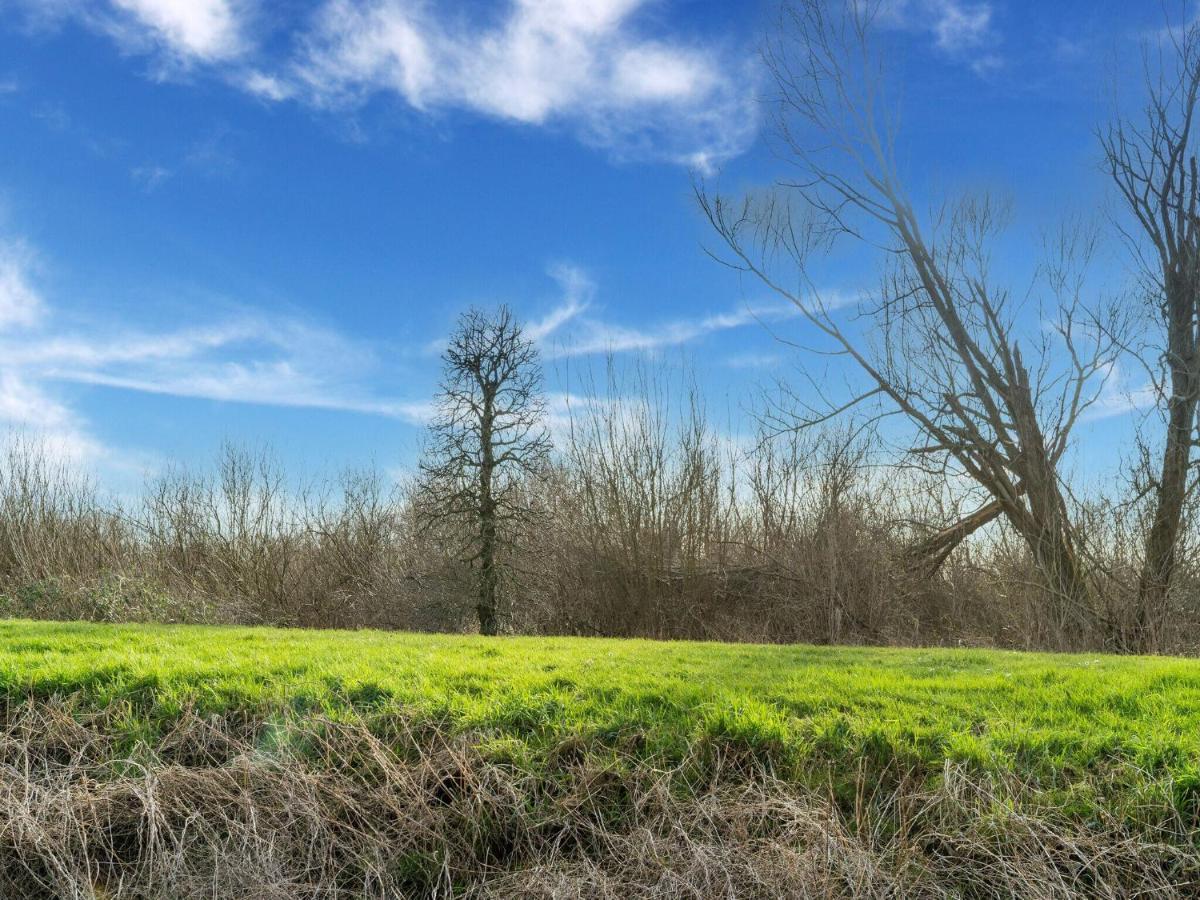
1081	731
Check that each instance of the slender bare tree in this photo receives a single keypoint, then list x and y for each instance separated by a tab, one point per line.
1152	161
938	344
488	436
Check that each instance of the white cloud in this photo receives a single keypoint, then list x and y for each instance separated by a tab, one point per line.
209	157
584	66
1067	49
270	383
273	361
20	304
753	361
23	403
987	64
594	336
150	177
205	30
578	290
587	67
244	358
179	32
1119	395
125	347
962	29
266	86
26	408
27	411
576	334
958	26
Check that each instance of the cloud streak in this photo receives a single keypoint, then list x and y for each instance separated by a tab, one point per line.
253	359
25	405
1119	396
20	304
596	337
578	290
246	358
568	331
270	359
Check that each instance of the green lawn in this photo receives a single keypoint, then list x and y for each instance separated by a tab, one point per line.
1115	731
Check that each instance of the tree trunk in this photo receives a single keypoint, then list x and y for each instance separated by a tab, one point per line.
1043	521
1071	607
1047	532
1154	166
1146	630
486	607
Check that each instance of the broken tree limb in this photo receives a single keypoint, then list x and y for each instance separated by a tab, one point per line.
927	556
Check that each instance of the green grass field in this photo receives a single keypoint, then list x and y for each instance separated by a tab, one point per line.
1082	732
161	761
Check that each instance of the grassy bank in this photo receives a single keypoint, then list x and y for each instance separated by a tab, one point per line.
920	759
797	707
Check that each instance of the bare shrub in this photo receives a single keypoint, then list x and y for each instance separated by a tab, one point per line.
357	559
53	524
661	525
228	535
644	495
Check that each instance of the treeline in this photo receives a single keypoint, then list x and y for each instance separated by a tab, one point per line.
648	521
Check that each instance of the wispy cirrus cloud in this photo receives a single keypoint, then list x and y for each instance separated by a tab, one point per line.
25	405
150	177
753	360
964	30
594	336
248	357
578	290
575	327
268	383
20	303
1119	395
568	330
255	358
211	156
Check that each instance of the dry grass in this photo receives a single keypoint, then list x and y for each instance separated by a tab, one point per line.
311	808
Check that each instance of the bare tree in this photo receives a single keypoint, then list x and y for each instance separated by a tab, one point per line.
488	436
939	344
1153	163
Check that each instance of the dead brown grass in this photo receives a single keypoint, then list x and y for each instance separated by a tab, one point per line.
317	809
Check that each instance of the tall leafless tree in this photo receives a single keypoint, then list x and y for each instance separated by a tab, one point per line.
488	436
939	344
1152	160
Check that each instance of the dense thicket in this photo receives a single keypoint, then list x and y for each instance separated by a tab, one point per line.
651	521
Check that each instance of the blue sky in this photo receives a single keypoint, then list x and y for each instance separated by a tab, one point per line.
252	220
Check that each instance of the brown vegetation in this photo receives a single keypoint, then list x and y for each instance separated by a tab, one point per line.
231	809
650	522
